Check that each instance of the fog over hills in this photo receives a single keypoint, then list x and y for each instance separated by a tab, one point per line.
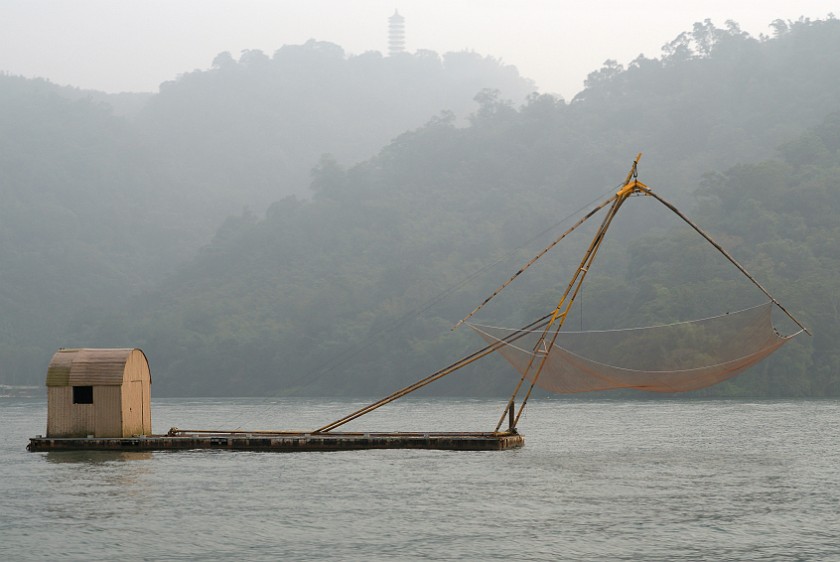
372	185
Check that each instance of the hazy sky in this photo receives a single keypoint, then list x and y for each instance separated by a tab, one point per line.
134	45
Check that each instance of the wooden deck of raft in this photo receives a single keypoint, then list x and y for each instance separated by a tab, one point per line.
286	441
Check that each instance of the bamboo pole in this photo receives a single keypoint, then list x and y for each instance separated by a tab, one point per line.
486	350
573	288
496	345
541	341
726	254
558	316
583	271
630	175
534	260
434	376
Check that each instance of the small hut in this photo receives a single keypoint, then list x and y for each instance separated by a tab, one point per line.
98	392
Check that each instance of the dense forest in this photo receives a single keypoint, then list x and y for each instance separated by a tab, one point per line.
106	195
376	217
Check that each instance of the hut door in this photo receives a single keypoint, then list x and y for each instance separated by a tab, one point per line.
139	403
145	430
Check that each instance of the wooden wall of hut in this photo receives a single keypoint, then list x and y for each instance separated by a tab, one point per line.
99	392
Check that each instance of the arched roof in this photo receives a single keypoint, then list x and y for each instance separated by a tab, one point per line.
94	367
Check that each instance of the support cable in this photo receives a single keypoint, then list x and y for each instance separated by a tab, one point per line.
621	195
535	259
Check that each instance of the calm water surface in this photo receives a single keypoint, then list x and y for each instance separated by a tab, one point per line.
597	480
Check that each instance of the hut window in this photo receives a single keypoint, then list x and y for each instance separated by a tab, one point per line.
82	395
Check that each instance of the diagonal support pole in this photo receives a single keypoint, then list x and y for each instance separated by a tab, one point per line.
647	191
558	317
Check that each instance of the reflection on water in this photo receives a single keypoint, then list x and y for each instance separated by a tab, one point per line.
597	480
95	457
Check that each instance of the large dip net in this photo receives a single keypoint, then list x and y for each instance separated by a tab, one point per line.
670	358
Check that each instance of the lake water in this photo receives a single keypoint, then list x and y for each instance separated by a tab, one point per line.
596	480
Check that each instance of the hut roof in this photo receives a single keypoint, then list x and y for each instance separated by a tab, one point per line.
89	366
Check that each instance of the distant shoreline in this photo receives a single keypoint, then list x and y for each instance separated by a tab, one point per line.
20	391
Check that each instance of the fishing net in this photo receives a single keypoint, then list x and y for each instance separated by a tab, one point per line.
671	358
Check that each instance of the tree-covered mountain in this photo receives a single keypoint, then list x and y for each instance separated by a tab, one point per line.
103	197
76	226
778	217
354	290
366	304
248	132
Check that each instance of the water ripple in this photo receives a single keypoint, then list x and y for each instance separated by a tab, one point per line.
597	480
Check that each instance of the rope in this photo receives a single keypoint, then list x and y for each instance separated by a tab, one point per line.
695	321
423	307
534	260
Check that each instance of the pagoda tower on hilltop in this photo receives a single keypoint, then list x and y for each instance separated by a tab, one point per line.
396	34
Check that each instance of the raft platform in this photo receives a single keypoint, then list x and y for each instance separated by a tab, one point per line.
285	442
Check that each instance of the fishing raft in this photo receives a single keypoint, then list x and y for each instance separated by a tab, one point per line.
106	405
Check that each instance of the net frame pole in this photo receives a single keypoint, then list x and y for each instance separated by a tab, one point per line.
562	319
631	188
647	191
571	292
559	318
534	260
552	323
486	350
434	376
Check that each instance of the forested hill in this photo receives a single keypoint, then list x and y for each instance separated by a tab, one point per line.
103	195
354	291
248	132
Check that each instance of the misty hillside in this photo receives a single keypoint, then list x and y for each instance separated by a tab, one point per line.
354	291
105	194
247	132
76	226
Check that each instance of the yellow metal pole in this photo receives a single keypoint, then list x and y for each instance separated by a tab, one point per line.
534	259
561	318
433	377
554	318
628	188
550	318
561	311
